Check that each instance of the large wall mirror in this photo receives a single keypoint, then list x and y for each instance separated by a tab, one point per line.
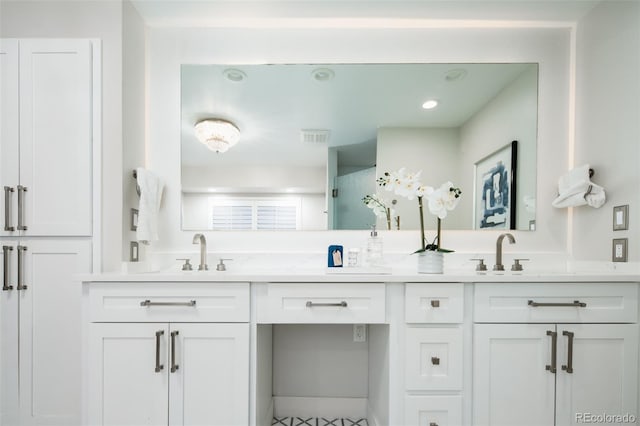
313	138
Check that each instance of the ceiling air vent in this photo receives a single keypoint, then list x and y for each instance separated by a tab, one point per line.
314	135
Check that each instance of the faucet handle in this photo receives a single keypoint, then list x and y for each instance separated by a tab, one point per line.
516	264
221	266
187	266
480	266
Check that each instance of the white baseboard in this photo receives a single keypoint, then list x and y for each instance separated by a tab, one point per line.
268	416
319	407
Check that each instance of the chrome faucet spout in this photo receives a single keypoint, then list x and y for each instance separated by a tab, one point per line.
499	266
200	239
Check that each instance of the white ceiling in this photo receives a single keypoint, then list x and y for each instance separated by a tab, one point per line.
243	13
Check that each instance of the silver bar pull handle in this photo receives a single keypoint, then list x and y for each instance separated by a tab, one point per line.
21	191
574	304
569	367
150	303
174	366
311	304
159	367
8	191
21	284
554	351
5	271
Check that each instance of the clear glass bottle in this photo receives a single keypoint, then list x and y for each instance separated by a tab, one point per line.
374	248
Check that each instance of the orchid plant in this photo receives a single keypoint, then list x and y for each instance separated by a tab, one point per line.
439	201
380	209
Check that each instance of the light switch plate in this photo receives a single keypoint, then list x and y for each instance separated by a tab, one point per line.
619	250
621	217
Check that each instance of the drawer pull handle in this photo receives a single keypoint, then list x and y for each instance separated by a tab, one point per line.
554	350
174	366
569	367
435	360
159	367
311	304
21	220
21	285
433	424
435	303
8	191
574	304
150	303
5	261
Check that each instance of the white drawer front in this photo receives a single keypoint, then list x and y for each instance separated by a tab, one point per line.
556	302
330	303
169	302
432	410
434	303
433	358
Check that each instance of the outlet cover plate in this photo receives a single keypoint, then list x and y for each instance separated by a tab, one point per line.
621	218
619	250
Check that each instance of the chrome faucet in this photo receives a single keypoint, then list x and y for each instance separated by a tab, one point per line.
499	266
199	238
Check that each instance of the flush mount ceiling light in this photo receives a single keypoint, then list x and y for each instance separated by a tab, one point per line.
455	74
430	104
217	134
235	75
322	74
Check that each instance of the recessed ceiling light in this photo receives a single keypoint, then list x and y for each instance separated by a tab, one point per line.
234	74
455	74
322	74
430	104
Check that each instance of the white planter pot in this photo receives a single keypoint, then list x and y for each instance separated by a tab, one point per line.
430	262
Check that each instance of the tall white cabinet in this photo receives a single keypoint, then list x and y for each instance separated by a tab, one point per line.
47	104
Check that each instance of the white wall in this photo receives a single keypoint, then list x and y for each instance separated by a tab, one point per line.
170	47
608	124
433	151
94	19
510	116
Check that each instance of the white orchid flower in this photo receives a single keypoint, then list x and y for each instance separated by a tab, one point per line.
443	199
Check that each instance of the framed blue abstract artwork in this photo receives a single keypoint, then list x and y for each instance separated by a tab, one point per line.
495	189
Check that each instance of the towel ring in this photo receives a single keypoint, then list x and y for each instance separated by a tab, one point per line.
591	173
135	176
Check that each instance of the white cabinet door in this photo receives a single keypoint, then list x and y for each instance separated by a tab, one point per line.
128	380
50	329
56	136
9	337
436	410
602	378
209	374
511	385
8	134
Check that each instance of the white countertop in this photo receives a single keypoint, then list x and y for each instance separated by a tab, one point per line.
396	275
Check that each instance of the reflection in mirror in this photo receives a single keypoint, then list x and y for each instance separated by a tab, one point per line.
313	139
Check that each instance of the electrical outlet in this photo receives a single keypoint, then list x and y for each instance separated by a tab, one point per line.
619	250
359	332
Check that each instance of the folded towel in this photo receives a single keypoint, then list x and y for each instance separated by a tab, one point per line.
576	189
150	197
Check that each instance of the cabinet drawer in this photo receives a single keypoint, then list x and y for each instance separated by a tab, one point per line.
556	302
329	303
434	303
422	410
169	302
433	358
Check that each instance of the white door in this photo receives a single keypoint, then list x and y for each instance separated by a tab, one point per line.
128	374
511	383
600	375
9	336
9	157
50	329
209	384
55	137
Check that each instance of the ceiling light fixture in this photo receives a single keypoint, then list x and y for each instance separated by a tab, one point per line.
323	74
235	75
217	134
430	104
455	74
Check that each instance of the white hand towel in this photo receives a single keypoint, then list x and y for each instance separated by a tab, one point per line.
576	189
150	198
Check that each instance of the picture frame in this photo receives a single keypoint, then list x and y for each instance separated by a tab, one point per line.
495	191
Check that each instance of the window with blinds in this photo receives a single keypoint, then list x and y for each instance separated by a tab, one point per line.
238	214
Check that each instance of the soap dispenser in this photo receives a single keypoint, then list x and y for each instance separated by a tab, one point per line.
374	248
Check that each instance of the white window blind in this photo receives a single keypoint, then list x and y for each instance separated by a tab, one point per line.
257	213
